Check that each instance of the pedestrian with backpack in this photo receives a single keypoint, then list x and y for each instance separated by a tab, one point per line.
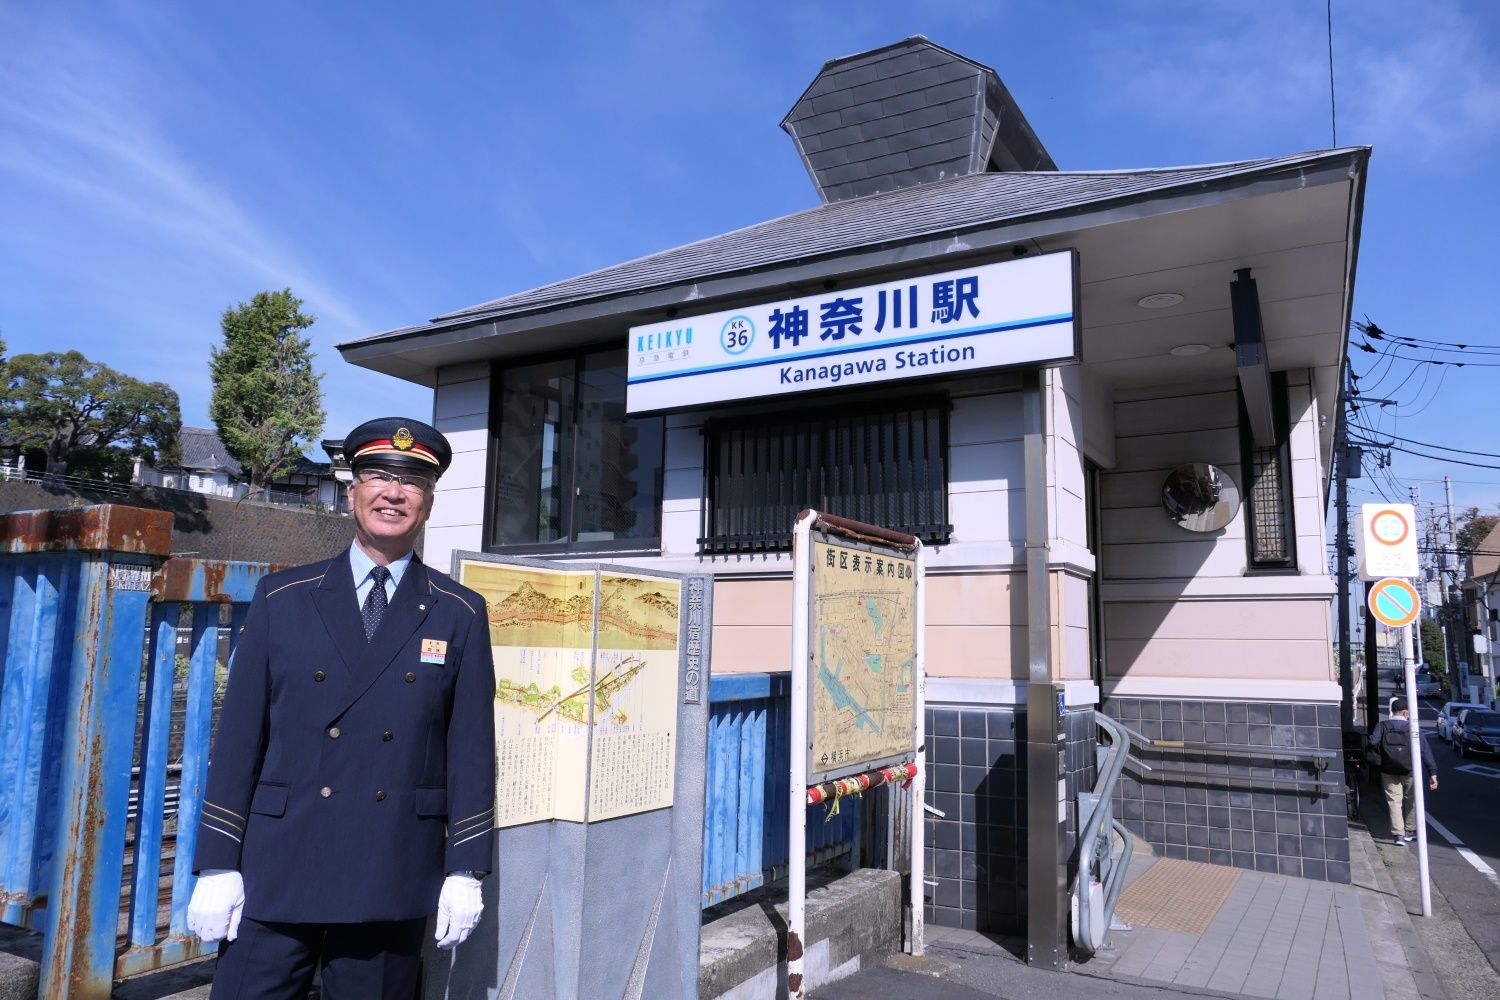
1391	741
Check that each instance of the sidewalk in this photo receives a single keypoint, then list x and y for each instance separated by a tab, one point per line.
1204	930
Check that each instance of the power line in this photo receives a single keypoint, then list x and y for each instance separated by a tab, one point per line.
1333	106
1435	458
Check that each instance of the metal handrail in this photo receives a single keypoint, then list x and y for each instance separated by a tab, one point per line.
1114	881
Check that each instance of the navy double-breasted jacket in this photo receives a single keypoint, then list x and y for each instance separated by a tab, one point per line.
349	776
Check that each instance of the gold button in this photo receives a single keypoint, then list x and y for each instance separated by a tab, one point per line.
320	677
386	736
380	795
410	677
334	733
325	791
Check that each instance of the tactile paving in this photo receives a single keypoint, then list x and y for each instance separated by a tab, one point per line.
1177	895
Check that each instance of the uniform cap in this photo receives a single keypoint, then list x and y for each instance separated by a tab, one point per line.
400	442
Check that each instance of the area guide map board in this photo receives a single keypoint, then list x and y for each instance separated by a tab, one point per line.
863	662
587	671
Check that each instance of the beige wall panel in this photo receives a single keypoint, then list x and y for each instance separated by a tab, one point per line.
992	465
749	649
976	599
1249	620
1098	419
982	419
1075	608
752	602
1153	560
1076	664
1279	659
987	651
1197	410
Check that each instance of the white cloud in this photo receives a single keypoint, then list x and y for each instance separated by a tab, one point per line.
74	121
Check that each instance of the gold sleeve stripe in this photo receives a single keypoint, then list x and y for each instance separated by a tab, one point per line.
311	579
481	833
466	827
457	597
209	826
488	812
215	805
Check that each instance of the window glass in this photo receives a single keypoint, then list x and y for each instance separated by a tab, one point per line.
570	467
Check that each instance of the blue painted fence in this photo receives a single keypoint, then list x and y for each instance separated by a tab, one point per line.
105	730
745	818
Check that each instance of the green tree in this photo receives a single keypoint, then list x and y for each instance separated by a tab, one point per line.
1472	529
84	413
267	400
1432	648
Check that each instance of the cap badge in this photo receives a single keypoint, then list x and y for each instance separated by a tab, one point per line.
402	439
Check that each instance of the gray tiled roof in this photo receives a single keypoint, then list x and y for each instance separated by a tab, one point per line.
202	450
972	202
907	114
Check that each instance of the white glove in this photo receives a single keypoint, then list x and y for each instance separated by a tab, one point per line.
214	911
459	906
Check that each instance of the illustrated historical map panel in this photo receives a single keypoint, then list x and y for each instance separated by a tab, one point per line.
863	639
635	696
558	692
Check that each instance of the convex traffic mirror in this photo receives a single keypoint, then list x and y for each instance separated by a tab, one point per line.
1200	497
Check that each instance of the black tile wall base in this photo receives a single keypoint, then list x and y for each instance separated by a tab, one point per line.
1246	812
976	850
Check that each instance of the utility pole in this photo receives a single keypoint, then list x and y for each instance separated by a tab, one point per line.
1341	563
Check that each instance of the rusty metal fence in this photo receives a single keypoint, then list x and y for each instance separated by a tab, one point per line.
115	656
98	818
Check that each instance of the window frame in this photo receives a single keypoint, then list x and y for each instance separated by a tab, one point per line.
939	532
643	545
1264	567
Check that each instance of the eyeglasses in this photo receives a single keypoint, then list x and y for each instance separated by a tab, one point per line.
382	479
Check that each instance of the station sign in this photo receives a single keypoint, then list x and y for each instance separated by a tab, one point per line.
1385	540
1394	603
1012	312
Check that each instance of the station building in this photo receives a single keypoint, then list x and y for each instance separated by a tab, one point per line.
1178	481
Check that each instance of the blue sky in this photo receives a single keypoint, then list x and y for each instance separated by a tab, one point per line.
392	161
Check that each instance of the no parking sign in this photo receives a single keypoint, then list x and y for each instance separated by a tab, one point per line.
1394	602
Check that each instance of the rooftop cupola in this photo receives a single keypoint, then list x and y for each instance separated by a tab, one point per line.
907	114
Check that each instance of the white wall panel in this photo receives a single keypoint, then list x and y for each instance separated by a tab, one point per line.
457	506
996	465
459	399
990	515
979	419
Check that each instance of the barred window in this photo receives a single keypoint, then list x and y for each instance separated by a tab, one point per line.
1268	500
882	466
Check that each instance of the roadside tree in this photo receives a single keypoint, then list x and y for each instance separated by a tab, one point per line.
267	402
85	417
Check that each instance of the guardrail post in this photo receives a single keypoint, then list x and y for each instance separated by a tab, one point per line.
116	549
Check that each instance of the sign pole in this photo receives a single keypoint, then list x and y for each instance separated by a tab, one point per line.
918	811
1414	733
796	868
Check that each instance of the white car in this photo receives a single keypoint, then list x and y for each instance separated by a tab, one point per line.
1427	685
1449	715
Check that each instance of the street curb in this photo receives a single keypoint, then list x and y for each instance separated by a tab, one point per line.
1408	973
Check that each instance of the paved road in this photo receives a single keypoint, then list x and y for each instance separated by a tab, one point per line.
1467	806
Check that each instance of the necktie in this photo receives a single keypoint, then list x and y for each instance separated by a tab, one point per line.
375	603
